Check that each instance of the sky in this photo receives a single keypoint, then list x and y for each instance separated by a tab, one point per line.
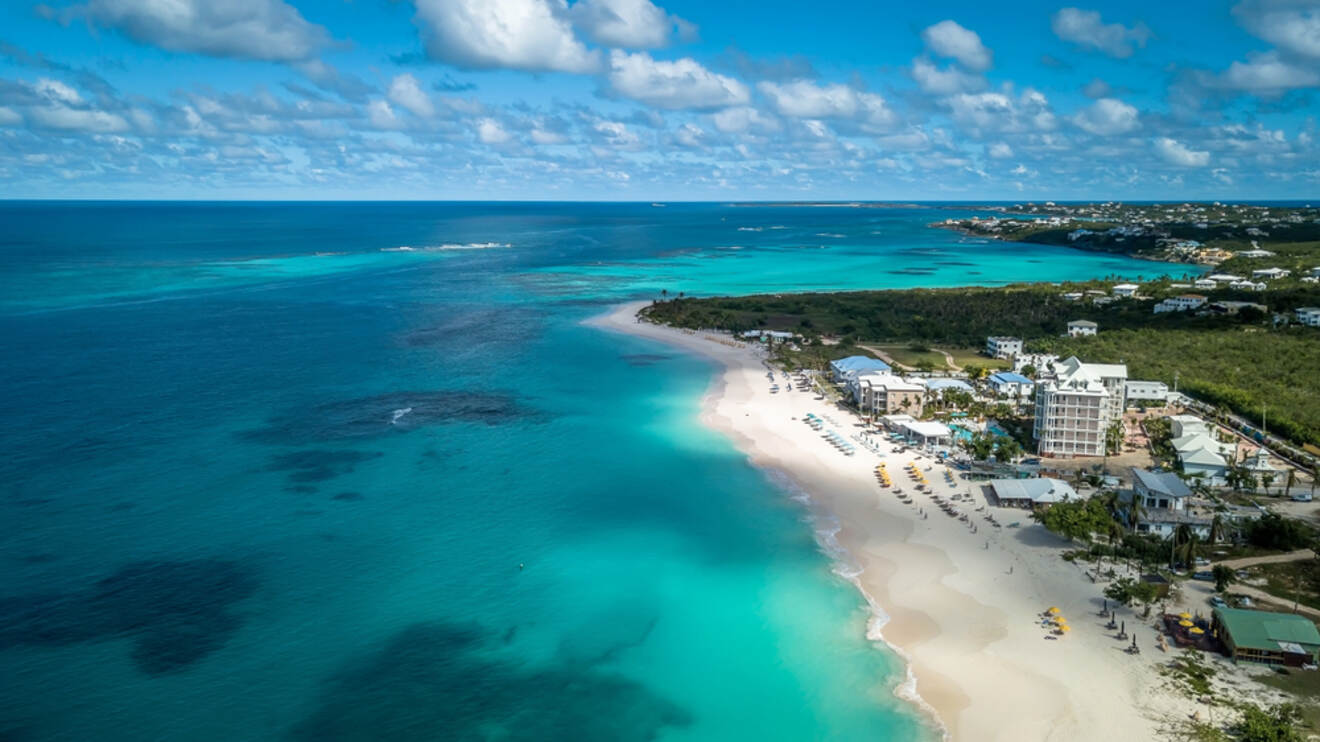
654	100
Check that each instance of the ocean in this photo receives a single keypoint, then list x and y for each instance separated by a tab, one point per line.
355	471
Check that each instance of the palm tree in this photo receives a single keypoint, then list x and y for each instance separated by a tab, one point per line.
1266	479
1007	449
1216	529
1288	484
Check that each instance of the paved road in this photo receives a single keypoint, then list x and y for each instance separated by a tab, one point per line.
1292	556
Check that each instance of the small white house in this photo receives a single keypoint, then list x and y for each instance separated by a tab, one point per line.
1271	273
1204	284
1003	347
1309	316
1125	290
1012	385
1082	328
1181	303
1136	389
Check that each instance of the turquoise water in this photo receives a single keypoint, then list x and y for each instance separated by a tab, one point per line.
256	492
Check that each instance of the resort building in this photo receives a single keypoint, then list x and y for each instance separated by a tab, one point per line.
1029	493
918	433
1233	307
937	387
1200	453
1125	290
1041	363
1076	405
1309	316
1146	390
846	369
1003	347
1012	385
1162	497
1073	296
1204	284
884	394
1268	638
1245	285
1081	328
1257	253
1181	303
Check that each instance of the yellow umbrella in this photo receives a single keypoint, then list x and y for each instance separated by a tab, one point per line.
1053	609
1184	615
1197	630
1060	620
1185	623
1065	627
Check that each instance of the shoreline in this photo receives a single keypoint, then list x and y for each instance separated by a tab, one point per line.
960	609
1134	256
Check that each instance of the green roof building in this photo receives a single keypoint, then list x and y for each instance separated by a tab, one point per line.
1270	638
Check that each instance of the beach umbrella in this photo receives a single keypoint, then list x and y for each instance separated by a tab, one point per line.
1185	616
1197	630
1065	628
1185	623
1053	609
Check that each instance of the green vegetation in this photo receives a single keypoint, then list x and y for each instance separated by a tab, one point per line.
1224	576
1277	724
1247	369
1076	520
1273	531
1238	362
1292	581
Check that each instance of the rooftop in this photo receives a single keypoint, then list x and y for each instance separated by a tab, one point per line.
859	363
1267	631
1008	377
1161	483
1082	323
1042	490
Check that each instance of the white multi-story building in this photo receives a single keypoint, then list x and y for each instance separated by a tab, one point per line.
1153	390
1040	363
1076	405
886	394
1180	303
1003	347
1125	289
1309	316
1082	327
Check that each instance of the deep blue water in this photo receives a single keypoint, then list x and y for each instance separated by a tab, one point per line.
266	476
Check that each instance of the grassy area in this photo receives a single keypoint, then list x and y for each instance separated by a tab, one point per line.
1250	370
909	355
965	357
1304	687
1289	580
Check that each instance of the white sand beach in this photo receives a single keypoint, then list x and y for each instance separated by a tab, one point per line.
963	608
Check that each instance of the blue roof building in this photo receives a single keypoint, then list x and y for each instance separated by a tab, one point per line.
846	368
1009	377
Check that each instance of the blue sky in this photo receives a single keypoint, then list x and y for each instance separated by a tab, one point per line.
659	100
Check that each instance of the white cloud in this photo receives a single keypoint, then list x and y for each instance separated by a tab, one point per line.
1000	151
682	83
1107	117
489	131
56	91
690	135
948	39
1291	25
617	134
381	116
999	112
1176	153
632	24
545	136
743	118
253	29
532	35
406	92
1269	75
947	81
64	118
803	99
1085	29
9	117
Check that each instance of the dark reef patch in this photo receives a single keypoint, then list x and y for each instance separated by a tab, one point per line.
386	414
176	612
464	329
913	272
645	359
439	681
318	465
349	496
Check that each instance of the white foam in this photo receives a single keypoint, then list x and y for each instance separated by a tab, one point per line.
750	229
398	414
448	246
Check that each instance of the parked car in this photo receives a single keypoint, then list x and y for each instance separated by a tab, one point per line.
1302	497
1217	601
1204	576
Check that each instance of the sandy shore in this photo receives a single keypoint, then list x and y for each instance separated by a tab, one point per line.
963	608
